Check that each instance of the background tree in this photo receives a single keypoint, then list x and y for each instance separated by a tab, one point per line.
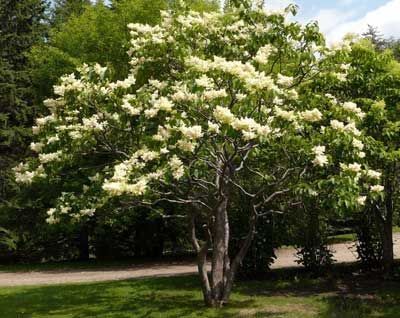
373	82
22	25
376	38
63	10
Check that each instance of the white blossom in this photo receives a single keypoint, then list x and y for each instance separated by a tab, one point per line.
176	166
49	157
373	174
223	115
193	132
311	115
263	54
361	200
36	146
358	144
377	188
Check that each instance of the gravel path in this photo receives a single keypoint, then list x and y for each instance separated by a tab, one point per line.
344	252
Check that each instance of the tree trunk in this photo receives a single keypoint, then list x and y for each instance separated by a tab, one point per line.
217	288
223	271
84	243
387	227
220	263
387	244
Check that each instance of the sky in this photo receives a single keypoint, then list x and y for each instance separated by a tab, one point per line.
339	17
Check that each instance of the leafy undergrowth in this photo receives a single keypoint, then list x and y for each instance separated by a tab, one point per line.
285	294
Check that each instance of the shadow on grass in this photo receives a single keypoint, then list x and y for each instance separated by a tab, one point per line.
161	297
362	306
340	296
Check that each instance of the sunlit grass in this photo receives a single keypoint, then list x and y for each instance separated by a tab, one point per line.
290	297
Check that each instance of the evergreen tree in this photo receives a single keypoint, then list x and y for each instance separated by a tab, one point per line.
375	37
22	25
64	9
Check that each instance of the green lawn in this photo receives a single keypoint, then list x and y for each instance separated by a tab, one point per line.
279	297
351	237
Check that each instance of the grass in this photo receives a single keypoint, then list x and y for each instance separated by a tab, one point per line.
342	238
92	264
351	237
284	295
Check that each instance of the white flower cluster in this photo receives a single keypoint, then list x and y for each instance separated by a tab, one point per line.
177	168
361	200
377	188
49	157
313	115
352	108
25	176
223	115
288	115
42	122
126	83
350	127
92	123
263	54
253	80
120	181
374	174
353	167
249	128
68	83
214	94
162	103
320	159
192	133
36	146
285	81
358	144
127	106
205	82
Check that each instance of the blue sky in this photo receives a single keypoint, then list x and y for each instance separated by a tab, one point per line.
336	18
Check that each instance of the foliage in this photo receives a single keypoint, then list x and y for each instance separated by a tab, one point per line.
63	10
311	238
373	82
93	33
21	24
369	243
7	239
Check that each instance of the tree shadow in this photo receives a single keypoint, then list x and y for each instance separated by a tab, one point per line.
178	296
343	297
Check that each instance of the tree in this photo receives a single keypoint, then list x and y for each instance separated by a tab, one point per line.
94	33
63	10
21	25
375	37
230	103
373	82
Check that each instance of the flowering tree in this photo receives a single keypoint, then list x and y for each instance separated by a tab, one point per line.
373	82
231	107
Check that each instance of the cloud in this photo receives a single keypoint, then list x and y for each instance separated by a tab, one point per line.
336	23
329	19
277	4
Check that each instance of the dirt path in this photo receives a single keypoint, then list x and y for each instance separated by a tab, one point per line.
344	252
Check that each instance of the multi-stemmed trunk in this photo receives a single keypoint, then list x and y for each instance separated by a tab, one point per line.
218	285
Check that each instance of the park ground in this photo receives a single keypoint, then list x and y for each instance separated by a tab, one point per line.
108	291
285	294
